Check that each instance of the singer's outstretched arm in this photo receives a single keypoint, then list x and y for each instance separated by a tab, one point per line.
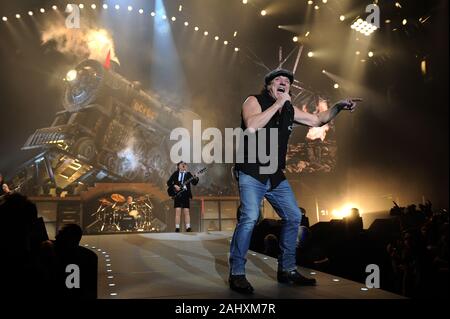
322	118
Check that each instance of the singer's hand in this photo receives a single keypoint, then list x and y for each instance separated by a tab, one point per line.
348	104
283	98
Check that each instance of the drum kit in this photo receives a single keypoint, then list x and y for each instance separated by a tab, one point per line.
121	214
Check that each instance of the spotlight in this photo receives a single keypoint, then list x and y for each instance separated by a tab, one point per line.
5	19
141	11
244	1
236	49
130	8
216	38
398	5
42	10
93	6
363	26
71	75
336	86
196	29
295	39
342	18
81	6
18	16
323	71
357	53
164	17
30	13
423	67
152	14
69	8
310	2
263	12
370	54
310	54
174	19
404	22
235	34
117	7
387	21
186	23
307	33
205	33
54	7
225	42
324	1
105	6
180	8
316	7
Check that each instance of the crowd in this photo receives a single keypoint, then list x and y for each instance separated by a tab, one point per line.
410	248
419	254
36	267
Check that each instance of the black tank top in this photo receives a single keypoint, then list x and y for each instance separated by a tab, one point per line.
283	122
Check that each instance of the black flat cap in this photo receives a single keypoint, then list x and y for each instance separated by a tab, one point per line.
279	72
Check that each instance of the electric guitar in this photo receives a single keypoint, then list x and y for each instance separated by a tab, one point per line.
183	186
15	190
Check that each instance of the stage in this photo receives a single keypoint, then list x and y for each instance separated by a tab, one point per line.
195	266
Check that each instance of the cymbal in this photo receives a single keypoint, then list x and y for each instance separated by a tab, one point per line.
118	198
104	201
142	198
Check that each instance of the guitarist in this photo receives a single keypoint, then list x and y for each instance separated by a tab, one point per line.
4	189
181	202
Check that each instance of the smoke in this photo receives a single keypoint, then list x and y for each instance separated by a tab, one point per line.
129	156
87	42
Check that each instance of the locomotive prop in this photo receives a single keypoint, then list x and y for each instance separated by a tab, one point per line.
109	129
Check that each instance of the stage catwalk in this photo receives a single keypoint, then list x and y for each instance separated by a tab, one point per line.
194	266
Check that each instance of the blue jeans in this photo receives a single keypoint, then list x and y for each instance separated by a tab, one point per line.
283	201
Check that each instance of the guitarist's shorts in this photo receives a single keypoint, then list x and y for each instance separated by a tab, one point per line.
182	201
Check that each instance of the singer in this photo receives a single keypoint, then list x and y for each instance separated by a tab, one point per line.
270	109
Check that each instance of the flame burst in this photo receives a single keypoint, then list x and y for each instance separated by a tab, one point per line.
315	133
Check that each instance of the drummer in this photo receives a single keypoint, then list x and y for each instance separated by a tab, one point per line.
130	204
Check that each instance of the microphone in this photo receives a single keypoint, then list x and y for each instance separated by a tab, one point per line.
287	104
287	107
286	115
